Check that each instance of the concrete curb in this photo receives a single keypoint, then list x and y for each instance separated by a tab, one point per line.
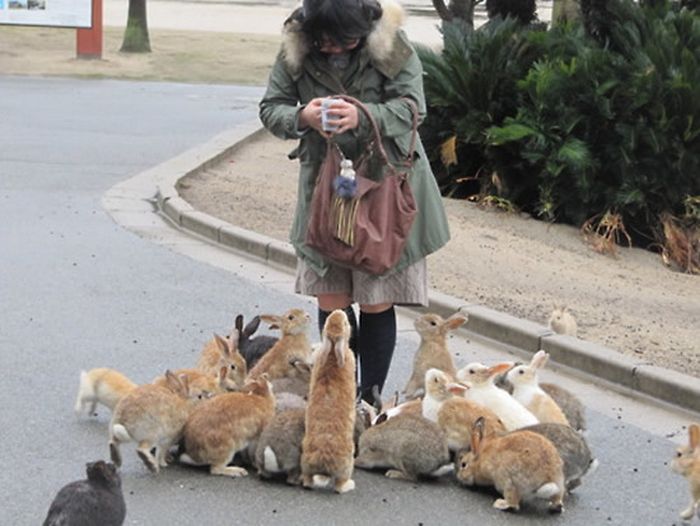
590	358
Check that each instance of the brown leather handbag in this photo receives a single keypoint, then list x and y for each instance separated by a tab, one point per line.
368	231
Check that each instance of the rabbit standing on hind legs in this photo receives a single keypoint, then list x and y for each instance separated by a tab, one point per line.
327	449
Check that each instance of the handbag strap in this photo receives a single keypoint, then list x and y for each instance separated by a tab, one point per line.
377	134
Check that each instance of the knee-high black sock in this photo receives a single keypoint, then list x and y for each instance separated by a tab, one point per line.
376	348
322	315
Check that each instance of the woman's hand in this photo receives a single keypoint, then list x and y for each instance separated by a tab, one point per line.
310	116
343	115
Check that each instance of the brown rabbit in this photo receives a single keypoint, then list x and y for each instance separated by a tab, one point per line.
432	352
104	386
227	424
327	449
438	389
456	418
521	465
687	463
152	416
220	352
293	345
205	383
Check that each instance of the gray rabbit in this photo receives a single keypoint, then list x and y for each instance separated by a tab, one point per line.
409	444
96	500
572	448
252	349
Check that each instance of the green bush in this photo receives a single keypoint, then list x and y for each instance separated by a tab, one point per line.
568	126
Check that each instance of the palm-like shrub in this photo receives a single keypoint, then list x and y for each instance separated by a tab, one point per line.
570	126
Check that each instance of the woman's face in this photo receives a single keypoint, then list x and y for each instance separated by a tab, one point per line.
329	47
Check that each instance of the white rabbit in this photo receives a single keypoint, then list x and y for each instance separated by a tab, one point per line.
484	391
527	391
562	321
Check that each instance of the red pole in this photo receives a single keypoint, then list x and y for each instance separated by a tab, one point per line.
89	41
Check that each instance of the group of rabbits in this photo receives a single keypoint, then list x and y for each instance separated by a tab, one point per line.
288	409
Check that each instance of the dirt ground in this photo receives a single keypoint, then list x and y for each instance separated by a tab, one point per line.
507	262
180	56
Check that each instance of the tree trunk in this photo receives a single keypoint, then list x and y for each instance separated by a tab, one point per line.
565	11
456	11
136	34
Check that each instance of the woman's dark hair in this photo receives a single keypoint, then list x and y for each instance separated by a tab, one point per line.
341	21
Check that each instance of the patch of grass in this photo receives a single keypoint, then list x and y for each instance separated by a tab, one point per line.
179	56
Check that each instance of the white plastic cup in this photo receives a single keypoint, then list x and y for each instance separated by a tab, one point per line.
326	119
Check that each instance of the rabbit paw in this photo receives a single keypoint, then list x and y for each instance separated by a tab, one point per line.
687	514
346	486
229	471
501	504
396	474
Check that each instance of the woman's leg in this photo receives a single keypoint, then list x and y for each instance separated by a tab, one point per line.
377	339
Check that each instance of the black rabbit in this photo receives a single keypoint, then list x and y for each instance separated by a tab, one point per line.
97	500
252	349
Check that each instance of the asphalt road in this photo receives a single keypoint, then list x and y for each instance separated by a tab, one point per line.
78	291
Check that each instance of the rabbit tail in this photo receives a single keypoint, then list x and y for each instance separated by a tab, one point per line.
547	491
270	461
443	470
120	434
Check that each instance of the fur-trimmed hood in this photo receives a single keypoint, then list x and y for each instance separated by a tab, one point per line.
381	42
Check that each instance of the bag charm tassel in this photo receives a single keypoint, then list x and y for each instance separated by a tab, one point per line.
344	205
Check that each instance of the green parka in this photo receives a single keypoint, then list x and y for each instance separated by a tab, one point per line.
385	69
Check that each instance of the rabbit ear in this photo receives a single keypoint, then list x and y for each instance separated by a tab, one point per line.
339	353
455	321
251	327
221	343
175	383
477	434
539	359
694	436
239	322
274	321
233	340
457	388
301	366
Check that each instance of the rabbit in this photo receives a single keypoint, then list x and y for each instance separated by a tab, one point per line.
104	386
410	445
687	463
206	383
483	391
572	407
327	449
572	448
223	351
527	391
392	408
438	389
228	424
454	415
285	401
252	349
279	447
294	344
152	416
562	321
521	465
295	380
96	500
432	352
